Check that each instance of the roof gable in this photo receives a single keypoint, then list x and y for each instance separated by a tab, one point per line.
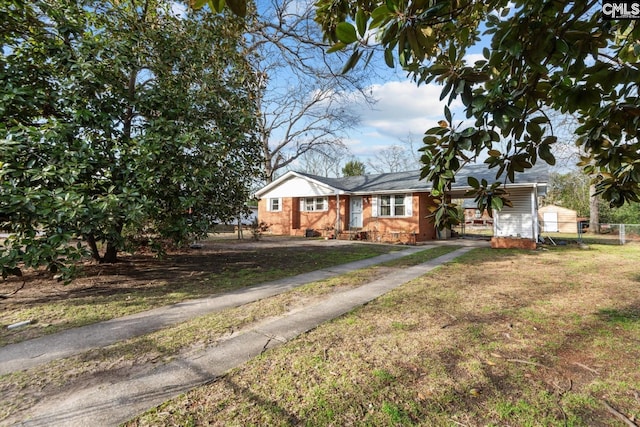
294	184
408	181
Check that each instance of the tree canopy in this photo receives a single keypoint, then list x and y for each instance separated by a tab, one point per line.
540	55
119	117
353	168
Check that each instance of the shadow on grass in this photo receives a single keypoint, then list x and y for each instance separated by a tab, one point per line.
626	315
196	274
269	406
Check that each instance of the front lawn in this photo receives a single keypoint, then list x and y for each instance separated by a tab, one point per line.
498	337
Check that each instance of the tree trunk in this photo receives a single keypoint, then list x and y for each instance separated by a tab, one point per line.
268	170
91	241
594	211
111	254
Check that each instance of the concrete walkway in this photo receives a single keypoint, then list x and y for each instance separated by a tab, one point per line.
110	403
31	353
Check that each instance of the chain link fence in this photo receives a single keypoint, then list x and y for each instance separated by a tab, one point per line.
613	234
562	233
559	232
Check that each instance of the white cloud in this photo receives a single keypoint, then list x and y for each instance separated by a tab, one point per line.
402	108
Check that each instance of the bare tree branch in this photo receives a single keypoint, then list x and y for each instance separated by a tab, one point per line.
305	97
395	158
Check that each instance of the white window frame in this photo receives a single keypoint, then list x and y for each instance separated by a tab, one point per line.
385	208
270	202
314	204
399	209
402	210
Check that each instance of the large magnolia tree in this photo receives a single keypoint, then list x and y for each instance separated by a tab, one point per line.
539	55
118	115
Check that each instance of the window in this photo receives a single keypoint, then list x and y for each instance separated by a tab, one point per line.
398	206
311	204
393	205
385	205
274	205
478	214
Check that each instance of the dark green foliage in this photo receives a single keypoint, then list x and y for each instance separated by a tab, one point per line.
543	55
119	117
353	168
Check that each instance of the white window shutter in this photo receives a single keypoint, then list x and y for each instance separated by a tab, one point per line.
408	204
302	204
374	206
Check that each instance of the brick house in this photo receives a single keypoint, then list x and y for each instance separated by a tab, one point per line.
390	207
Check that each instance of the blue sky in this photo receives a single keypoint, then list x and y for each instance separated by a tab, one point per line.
403	110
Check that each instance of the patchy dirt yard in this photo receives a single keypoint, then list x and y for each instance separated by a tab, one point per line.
142	281
21	390
544	338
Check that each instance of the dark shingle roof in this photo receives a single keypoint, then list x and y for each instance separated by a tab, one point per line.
409	181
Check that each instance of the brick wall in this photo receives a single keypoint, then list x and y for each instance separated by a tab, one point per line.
291	221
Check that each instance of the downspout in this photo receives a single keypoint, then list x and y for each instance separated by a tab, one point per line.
337	215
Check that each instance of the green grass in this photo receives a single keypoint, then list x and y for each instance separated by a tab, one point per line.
82	305
164	345
430	353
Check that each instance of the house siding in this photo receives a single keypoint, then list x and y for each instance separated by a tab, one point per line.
417	227
279	222
298	187
294	222
518	221
424	207
320	221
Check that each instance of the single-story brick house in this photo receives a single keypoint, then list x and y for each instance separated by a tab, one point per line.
387	207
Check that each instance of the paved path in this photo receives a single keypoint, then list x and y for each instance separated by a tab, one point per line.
110	403
28	354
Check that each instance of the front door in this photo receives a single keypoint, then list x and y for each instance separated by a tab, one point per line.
355	220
